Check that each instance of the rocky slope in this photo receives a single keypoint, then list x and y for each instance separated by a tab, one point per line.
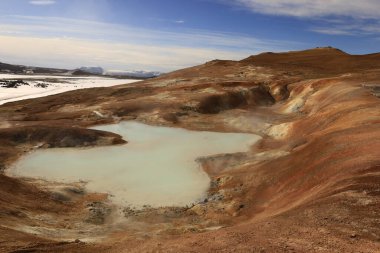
312	184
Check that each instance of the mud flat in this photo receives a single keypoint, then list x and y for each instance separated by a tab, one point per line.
157	167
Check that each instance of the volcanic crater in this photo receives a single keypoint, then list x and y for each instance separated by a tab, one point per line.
311	183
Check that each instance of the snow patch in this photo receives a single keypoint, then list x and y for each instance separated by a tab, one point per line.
55	85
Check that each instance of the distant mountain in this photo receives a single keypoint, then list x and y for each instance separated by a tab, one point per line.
82	71
136	74
93	70
21	69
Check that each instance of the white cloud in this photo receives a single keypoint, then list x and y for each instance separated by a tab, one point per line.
332	31
314	8
331	17
68	43
42	2
165	20
349	27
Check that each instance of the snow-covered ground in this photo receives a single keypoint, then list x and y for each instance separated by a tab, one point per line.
56	84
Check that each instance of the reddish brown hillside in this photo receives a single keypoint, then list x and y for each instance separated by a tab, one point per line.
319	61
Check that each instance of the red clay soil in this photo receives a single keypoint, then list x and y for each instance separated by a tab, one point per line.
311	184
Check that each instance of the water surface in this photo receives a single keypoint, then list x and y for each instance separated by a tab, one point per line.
157	167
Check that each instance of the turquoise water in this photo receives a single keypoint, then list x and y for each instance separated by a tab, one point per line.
156	167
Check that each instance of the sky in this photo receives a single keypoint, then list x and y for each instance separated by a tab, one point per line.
164	35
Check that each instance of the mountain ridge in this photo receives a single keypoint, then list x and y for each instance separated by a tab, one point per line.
7	68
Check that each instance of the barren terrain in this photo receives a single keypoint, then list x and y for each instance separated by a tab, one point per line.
311	184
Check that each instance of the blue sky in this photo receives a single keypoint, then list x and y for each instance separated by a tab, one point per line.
169	34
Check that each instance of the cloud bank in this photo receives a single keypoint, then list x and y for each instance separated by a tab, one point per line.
332	17
315	8
71	43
